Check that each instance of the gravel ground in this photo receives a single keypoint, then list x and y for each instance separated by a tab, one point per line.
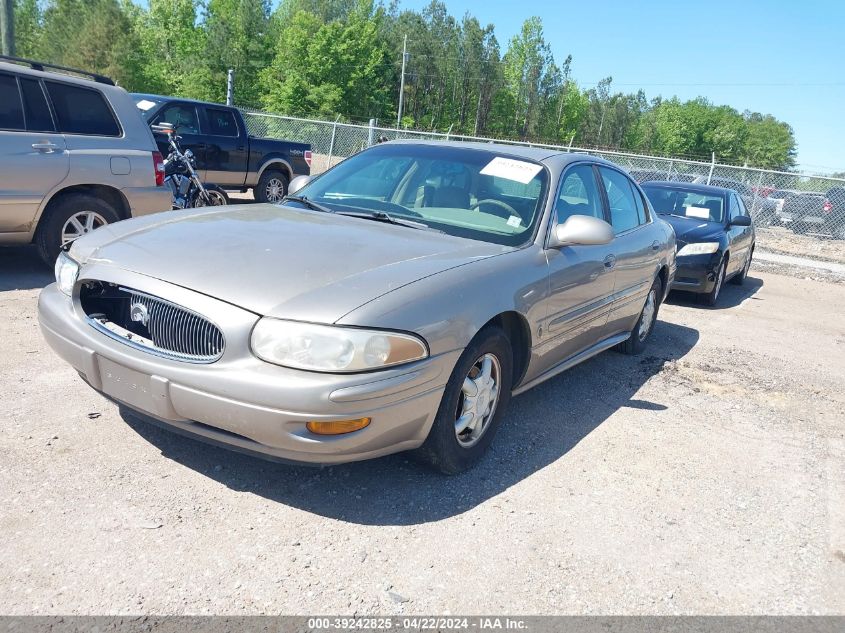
706	476
785	242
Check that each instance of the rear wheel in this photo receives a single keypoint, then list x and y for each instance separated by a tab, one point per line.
645	324
271	187
475	398
69	218
712	297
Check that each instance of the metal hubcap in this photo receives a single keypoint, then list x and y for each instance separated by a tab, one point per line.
81	223
216	198
275	190
647	318
478	400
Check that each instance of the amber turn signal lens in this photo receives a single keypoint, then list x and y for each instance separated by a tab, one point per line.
337	427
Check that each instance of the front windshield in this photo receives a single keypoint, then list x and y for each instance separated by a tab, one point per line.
477	194
690	204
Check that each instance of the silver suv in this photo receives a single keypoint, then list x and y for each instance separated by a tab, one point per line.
74	155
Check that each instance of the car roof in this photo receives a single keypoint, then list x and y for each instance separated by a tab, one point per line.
68	75
689	186
540	154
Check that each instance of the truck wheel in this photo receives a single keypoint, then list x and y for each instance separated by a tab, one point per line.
271	187
69	218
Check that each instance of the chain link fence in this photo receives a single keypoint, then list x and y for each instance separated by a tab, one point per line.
794	213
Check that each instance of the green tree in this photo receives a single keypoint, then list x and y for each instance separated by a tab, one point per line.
770	143
28	28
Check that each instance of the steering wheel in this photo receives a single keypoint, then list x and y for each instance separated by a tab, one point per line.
497	203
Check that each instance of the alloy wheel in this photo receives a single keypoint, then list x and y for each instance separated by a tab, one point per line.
275	190
80	224
478	400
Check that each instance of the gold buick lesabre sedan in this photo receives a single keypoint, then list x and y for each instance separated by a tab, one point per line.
393	303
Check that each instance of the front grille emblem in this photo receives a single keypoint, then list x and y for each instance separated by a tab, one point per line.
138	313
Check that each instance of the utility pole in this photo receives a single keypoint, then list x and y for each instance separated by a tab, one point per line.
7	27
402	82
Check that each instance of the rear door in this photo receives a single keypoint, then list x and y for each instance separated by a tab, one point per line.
580	277
636	249
185	116
226	147
33	156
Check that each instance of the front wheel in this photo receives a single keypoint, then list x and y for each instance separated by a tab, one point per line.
645	324
712	297
475	398
741	276
68	218
215	197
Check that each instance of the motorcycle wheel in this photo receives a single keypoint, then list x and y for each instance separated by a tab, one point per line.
216	196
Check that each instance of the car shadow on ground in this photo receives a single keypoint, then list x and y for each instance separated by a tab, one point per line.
22	269
730	297
540	427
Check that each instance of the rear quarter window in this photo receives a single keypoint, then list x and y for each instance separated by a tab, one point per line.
81	110
11	109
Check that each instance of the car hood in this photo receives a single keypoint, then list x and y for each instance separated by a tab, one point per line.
278	260
694	229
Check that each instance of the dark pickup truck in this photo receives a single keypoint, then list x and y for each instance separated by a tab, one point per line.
226	154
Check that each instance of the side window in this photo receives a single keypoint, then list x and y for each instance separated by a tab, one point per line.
11	111
183	116
38	118
620	197
81	110
638	200
221	122
579	194
739	205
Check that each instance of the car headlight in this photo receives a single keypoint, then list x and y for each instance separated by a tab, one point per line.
67	271
331	348
702	248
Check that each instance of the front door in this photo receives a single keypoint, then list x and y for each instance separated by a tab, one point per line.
739	237
580	277
33	157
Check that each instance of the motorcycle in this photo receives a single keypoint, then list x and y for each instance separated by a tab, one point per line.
180	174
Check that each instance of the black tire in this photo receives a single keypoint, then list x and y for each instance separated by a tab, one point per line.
712	297
218	196
51	227
739	278
638	340
271	180
442	449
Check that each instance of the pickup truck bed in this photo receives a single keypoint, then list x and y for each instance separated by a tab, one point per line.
226	154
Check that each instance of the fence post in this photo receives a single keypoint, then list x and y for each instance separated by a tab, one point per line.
449	131
712	167
331	143
230	87
669	172
371	137
571	138
757	193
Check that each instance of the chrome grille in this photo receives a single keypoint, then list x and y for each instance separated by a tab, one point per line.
156	326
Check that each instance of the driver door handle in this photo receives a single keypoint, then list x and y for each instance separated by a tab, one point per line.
46	147
610	262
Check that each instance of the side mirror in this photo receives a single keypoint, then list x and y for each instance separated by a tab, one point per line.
581	229
741	220
298	183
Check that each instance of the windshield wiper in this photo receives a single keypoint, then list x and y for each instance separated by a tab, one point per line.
382	216
314	206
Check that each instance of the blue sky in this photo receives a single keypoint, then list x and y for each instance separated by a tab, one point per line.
782	58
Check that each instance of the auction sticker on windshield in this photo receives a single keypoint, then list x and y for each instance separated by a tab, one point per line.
517	170
698	212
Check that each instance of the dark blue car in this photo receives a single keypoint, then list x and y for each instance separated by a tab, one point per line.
715	235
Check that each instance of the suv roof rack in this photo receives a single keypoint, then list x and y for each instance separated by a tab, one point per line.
51	67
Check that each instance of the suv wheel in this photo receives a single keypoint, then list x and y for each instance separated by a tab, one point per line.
69	218
271	187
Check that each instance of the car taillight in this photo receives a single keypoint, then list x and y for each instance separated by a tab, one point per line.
307	156
158	168
827	207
